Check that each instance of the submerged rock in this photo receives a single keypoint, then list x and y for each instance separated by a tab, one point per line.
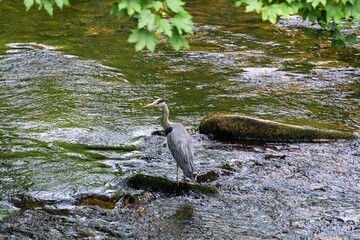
25	202
95	201
102	200
213	175
238	127
165	186
208	177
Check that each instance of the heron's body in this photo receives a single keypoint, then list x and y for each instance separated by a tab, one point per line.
181	148
178	139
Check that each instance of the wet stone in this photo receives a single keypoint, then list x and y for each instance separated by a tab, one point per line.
238	127
27	202
207	177
167	187
102	201
93	201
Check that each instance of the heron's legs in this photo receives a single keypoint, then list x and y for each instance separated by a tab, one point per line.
184	179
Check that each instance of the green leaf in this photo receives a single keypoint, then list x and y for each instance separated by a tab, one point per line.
351	40
253	6
164	27
295	6
48	7
182	21
353	10
131	6
175	5
177	41
286	10
28	4
147	18
117	12
334	11
238	3
337	35
59	3
122	5
143	38
316	3
313	16
157	5
338	44
348	11
271	13
356	12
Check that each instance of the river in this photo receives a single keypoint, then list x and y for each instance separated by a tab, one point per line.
73	125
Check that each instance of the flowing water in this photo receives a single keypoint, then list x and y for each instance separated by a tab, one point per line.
73	125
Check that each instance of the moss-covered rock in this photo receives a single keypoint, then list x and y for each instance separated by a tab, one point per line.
167	187
237	127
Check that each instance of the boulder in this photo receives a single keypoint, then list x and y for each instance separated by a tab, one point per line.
238	127
167	187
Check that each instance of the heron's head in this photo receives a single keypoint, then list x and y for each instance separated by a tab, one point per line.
157	103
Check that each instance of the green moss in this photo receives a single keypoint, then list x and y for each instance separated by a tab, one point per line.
95	152
74	146
227	126
165	186
227	166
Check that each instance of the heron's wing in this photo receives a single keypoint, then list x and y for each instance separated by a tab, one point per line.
181	147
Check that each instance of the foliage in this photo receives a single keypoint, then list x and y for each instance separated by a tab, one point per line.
332	15
156	19
46	4
168	20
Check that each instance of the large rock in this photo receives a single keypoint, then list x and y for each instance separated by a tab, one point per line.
237	127
167	187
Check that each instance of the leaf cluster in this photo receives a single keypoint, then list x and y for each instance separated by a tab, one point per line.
46	4
330	14
156	19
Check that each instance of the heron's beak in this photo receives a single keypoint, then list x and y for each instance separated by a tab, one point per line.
150	105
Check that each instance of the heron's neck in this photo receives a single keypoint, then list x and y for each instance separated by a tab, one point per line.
165	117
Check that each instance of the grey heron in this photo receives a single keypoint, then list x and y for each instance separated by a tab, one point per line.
179	141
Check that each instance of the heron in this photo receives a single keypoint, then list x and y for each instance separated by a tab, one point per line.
179	142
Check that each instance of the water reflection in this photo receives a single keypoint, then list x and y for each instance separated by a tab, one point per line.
49	97
180	222
184	213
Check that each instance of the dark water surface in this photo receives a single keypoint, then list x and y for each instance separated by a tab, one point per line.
73	125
